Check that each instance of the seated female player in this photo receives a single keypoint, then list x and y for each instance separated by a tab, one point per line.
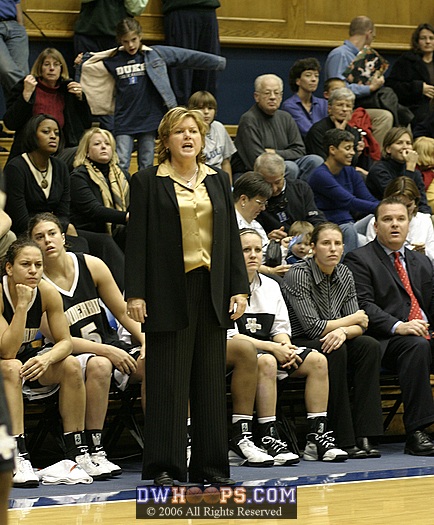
266	324
82	281
25	299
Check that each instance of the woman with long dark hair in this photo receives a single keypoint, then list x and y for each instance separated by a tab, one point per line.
36	181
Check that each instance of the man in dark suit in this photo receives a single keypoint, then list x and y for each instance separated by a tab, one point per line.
398	320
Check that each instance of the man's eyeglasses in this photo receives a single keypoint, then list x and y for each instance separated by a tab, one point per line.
264	204
269	93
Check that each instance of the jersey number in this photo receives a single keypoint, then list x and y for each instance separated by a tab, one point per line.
89	332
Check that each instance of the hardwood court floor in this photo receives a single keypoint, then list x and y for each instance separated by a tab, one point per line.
401	501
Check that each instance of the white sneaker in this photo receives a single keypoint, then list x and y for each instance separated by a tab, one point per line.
100	458
322	447
24	476
94	470
243	451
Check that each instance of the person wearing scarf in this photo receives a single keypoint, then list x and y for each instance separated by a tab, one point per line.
99	188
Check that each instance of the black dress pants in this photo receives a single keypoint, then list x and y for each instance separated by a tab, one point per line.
357	361
410	357
196	29
182	365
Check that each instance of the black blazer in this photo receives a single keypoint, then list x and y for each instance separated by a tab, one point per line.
154	259
380	291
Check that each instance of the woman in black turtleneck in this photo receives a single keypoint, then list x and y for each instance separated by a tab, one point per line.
398	159
99	188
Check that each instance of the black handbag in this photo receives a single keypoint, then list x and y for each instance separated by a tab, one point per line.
273	255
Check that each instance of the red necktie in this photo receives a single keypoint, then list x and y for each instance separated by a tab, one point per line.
415	310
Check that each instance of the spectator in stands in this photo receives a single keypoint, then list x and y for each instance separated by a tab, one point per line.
395	287
299	247
48	89
187	278
360	121
331	84
303	106
412	75
14	45
100	189
292	200
420	233
95	27
143	92
361	34
340	111
219	147
37	181
192	25
266	128
398	159
83	281
424	147
251	193
28	366
339	190
324	313
270	331
95	30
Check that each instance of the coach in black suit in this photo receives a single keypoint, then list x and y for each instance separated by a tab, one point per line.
184	273
382	295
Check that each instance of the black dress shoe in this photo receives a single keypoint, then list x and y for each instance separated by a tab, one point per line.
355	453
163	479
366	445
214	480
217	480
419	444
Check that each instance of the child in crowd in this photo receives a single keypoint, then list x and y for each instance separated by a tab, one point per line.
141	87
218	145
139	107
299	246
424	146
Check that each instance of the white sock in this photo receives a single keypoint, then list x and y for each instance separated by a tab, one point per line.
263	420
237	417
312	415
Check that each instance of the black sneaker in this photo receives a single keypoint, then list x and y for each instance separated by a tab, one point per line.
270	441
322	447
